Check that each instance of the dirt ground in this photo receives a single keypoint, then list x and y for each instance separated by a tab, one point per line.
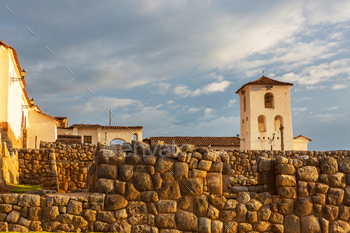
6	188
78	194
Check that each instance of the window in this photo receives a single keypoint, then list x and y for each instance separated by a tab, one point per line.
246	125
261	123
87	139
244	104
242	127
278	122
269	100
135	137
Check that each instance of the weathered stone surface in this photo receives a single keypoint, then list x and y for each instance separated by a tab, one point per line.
244	227
308	173
170	190
335	196
143	181
337	180
252	216
266	164
74	207
10	198
97	201
106	216
231	204
214	183
291	224
19	228
344	213
243	197
200	205
181	170
164	164
320	199
302	189
101	226
57	201
191	186
303	206
264	198
166	206
186	221
321	188
285	206
13	216
217	201
107	171
324	225
183	203
230	227
35	226
49	213
149	196
165	221
310	224
330	212
285	180
287	192
115	202
216	226
212	213
120	226
3	226
261	226
27	200
34	213
121	214
131	194
285	169
105	185
204	165
110	157
268	177
195	173
241	211
253	205
5	208
347	196
204	225
344	164
329	165
338	226
217	167
227	215
79	222
125	172
64	218
276	218
264	213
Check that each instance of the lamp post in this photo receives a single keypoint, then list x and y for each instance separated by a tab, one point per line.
282	143
273	137
106	137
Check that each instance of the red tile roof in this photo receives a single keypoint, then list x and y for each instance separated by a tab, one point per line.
198	141
265	81
103	126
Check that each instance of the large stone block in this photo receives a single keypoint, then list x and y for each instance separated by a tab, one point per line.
310	224
200	205
27	200
285	169
335	196
149	196
164	164
13	216
268	177
170	190
115	202
191	186
266	165
125	172
337	180
329	165
230	227
166	206
217	201
49	213
241	211
330	212
287	192
339	226
107	171
285	180
344	164
214	183
143	181
285	206
186	221
303	206
308	173
204	225
181	170
97	201
204	165
5	208
110	157
105	185
165	221
106	216
120	226
291	224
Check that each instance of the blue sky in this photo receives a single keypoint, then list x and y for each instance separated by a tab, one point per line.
152	61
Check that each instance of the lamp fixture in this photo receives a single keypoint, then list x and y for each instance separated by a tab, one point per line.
23	73
269	87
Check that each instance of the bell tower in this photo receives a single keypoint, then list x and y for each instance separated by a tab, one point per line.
266	121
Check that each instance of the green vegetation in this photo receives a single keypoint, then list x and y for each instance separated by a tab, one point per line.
19	188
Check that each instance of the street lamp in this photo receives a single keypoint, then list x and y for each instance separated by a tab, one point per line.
23	73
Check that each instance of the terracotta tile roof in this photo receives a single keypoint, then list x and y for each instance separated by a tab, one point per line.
18	67
198	141
265	81
46	115
61	118
102	126
301	136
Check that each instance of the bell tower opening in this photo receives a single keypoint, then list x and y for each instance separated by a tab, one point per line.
269	101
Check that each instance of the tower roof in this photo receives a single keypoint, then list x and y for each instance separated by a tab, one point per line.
265	81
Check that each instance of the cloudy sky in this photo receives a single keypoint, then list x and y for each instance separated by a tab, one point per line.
153	61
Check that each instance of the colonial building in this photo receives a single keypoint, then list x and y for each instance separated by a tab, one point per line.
93	133
214	143
23	122
266	121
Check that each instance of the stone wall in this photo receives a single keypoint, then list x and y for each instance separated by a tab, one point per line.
56	166
195	190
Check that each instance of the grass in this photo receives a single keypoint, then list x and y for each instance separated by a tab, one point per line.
20	188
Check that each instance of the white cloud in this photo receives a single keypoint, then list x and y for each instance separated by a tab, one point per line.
299	109
208	111
99	103
339	86
231	102
328	117
170	102
184	91
290	77
333	108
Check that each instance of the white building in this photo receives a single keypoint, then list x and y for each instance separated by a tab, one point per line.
18	114
93	133
264	108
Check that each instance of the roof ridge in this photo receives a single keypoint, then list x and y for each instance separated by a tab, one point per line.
263	80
